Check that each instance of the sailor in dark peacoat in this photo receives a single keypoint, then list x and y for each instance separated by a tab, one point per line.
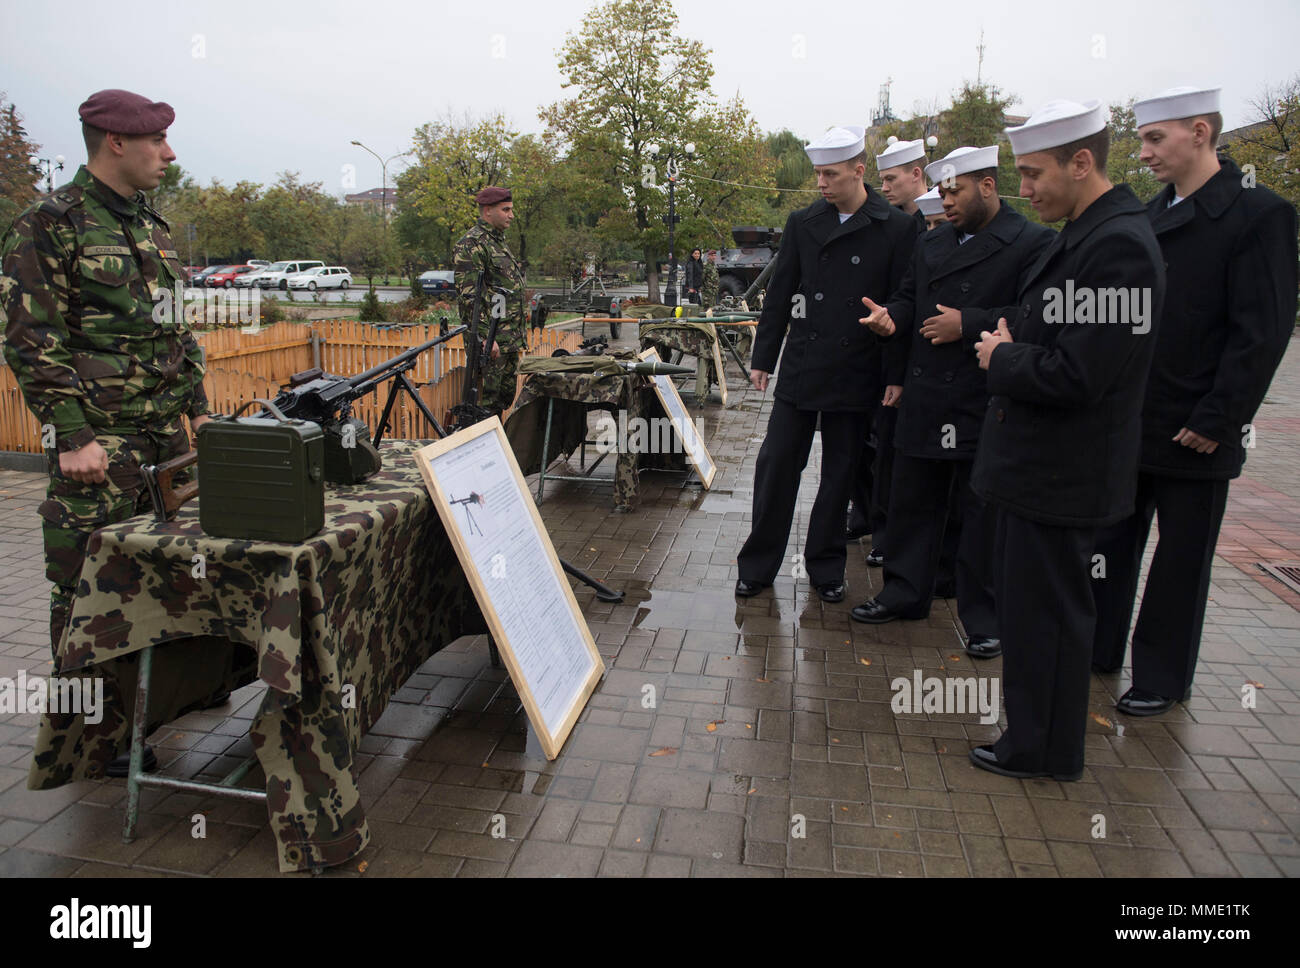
1230	251
1058	453
945	396
830	372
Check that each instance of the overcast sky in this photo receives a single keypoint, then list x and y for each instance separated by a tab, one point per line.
261	87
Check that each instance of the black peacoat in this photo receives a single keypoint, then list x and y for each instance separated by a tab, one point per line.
1230	253
814	301
944	386
1063	428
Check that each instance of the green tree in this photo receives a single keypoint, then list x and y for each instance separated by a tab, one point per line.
1270	142
1122	164
635	82
453	161
19	174
292	216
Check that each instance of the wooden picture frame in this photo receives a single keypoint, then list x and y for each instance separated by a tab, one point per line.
510	563
692	443
717	364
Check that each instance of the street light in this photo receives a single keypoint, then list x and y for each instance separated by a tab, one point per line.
383	168
672	218
49	171
930	144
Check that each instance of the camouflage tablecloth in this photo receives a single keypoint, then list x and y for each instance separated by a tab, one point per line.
697	340
574	393
334	626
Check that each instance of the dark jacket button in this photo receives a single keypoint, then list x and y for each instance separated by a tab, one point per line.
934	287
916	371
844	341
812	336
855	260
819	298
947	377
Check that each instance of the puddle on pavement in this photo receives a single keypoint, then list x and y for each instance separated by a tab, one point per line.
715	611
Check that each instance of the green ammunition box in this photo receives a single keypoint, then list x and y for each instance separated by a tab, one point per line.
261	478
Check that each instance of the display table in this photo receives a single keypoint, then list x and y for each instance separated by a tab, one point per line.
701	340
549	419
333	626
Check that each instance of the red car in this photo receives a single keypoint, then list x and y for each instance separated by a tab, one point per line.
226	277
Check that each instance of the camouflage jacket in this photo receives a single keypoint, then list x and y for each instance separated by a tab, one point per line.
484	248
709	288
88	285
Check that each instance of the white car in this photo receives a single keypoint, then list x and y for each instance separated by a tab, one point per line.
321	277
275	275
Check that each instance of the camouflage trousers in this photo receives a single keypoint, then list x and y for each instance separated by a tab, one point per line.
499	381
72	511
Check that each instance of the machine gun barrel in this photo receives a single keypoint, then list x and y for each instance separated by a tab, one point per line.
363	383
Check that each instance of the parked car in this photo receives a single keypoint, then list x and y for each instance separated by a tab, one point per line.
190	272
437	282
199	277
322	277
248	280
226	277
276	274
260	263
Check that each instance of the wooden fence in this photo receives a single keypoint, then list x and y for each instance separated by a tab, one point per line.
244	366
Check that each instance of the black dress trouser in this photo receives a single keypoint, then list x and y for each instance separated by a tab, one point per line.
1167	638
1046	617
781	461
921	526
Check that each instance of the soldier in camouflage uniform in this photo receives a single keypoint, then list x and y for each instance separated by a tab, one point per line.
107	367
709	288
483	249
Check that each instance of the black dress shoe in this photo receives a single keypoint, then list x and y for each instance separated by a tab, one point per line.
983	647
832	591
1139	702
748	589
875	558
119	766
1101	670
220	699
873	613
986	759
852	532
946	589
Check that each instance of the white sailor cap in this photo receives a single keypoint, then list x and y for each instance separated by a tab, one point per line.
838	144
931	203
1057	123
962	161
900	153
1175	103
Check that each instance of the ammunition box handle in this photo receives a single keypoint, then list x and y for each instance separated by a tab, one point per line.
266	403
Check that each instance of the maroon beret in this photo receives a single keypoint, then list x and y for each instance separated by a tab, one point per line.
493	195
125	113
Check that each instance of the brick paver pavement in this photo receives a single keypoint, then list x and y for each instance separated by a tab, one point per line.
771	748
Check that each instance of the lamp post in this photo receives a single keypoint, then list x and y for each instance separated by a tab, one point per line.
930	144
49	169
383	169
672	217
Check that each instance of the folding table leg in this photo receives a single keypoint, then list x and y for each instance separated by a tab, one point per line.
546	442
140	723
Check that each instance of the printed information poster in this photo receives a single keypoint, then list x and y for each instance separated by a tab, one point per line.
511	564
678	416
